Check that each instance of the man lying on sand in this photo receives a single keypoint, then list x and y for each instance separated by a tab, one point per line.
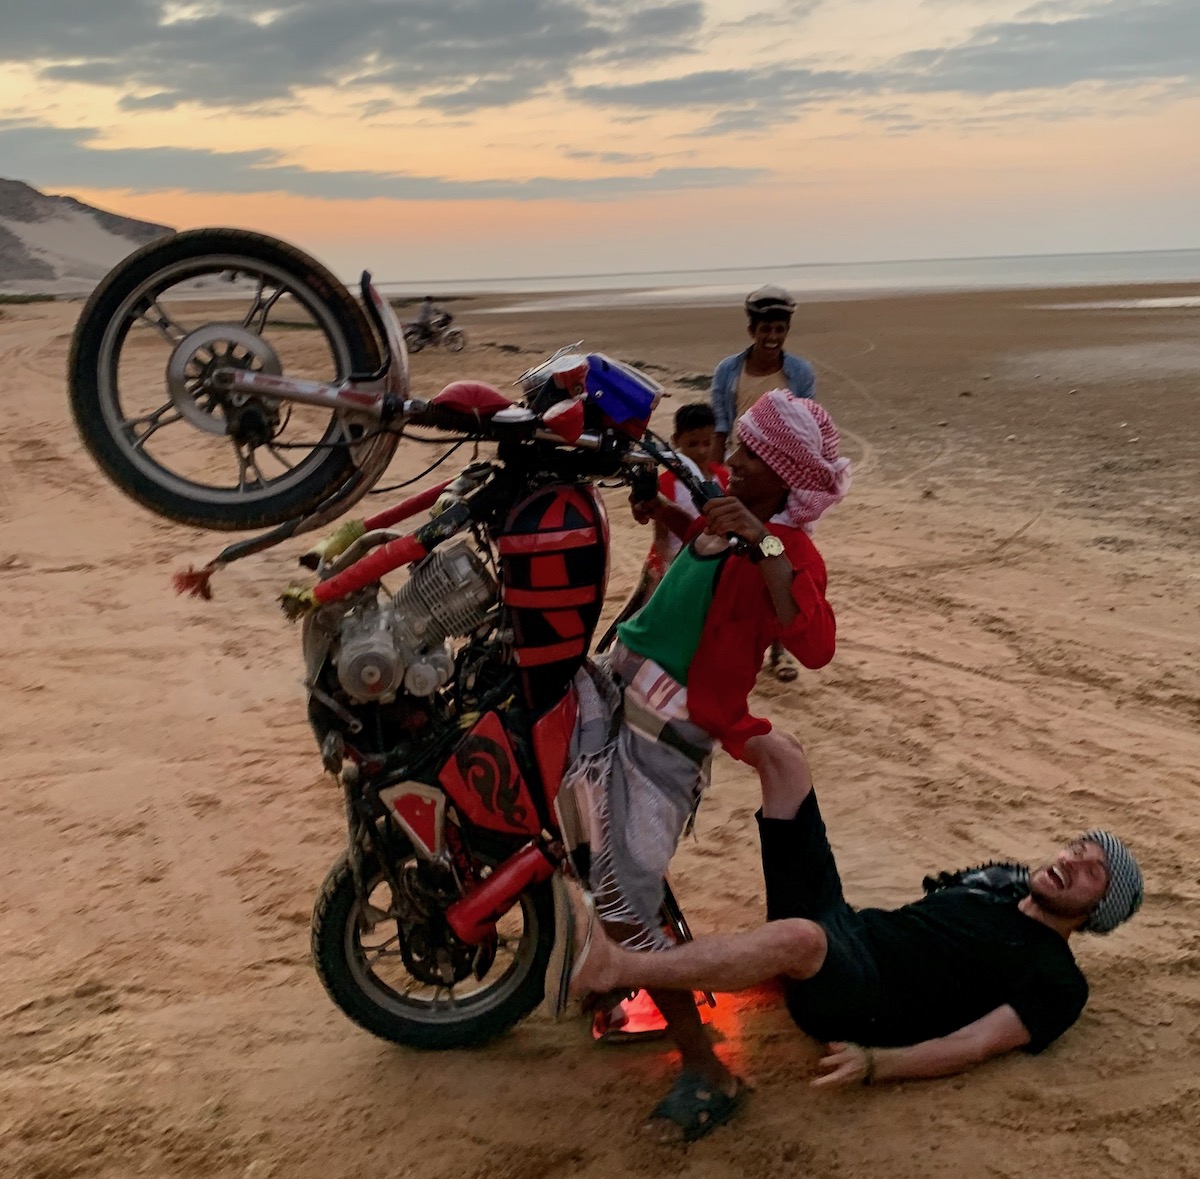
978	967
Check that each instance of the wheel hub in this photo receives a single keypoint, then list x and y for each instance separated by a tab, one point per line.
251	420
428	947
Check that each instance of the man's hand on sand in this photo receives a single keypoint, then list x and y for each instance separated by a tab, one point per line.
844	1064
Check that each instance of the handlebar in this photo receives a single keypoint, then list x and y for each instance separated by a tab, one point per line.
527	427
523	425
701	490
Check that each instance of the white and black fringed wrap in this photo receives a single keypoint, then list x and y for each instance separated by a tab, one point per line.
1123	897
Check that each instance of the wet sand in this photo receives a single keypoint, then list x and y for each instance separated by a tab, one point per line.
1017	586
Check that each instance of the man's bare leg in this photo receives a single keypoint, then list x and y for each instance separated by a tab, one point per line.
794	948
724	962
678	1008
783	772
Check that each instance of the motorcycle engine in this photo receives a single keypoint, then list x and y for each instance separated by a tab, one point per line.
404	643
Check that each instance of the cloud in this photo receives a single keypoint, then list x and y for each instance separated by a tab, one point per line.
610	157
742	100
162	100
375	107
52	156
1115	43
456	55
720	88
1119	42
789	14
454	58
486	92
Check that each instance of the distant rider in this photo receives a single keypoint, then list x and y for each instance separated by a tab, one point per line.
432	319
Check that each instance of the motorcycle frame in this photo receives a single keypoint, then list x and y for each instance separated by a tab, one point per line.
419	809
382	396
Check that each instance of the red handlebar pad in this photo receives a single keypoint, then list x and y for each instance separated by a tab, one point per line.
371	568
406	507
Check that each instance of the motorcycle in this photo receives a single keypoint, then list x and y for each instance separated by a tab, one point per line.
438	332
444	708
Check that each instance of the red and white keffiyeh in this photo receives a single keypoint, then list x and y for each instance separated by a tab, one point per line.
796	438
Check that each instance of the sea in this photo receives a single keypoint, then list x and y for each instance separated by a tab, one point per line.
820	280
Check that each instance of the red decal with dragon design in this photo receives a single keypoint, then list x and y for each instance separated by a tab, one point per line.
482	779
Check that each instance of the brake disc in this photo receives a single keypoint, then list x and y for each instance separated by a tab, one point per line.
198	355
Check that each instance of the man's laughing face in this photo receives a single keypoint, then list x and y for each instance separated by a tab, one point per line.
1074	882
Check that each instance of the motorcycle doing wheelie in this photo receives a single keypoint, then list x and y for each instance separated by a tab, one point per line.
444	707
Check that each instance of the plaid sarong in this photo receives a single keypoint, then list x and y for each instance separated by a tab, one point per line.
637	772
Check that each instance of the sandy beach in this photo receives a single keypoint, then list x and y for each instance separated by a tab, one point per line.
1017	585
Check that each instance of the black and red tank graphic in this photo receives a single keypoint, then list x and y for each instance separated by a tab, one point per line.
554	566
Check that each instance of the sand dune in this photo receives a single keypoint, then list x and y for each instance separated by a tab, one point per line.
57	245
1018	593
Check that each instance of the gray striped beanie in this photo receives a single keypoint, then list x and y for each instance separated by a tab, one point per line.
1123	897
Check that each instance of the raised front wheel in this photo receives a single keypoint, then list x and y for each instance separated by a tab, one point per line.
161	323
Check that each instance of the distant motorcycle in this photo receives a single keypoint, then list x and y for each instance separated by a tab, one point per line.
437	332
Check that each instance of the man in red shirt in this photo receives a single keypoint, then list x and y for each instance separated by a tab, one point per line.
679	678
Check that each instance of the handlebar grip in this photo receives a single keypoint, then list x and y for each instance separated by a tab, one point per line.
643	484
442	417
371	568
711	489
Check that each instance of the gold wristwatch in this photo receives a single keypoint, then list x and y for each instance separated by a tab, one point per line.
769	546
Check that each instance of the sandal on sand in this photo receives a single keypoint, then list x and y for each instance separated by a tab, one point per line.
783	666
697	1106
570	950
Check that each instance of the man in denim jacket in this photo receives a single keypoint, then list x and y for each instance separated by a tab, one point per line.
740	380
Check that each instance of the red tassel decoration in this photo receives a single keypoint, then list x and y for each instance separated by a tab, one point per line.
195	582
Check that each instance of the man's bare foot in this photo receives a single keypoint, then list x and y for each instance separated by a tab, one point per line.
595	955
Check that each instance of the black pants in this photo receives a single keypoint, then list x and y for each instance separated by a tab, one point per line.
842	1000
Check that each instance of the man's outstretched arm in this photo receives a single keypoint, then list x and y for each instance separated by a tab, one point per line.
998	1032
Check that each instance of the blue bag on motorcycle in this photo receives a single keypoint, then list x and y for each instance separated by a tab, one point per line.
623	393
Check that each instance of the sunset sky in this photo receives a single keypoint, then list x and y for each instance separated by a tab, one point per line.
477	138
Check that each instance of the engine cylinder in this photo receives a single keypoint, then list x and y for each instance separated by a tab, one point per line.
404	642
448	594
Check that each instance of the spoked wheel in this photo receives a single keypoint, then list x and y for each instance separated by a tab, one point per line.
170	315
455	339
406	979
414	340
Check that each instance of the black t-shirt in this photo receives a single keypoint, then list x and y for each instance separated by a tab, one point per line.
958	954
